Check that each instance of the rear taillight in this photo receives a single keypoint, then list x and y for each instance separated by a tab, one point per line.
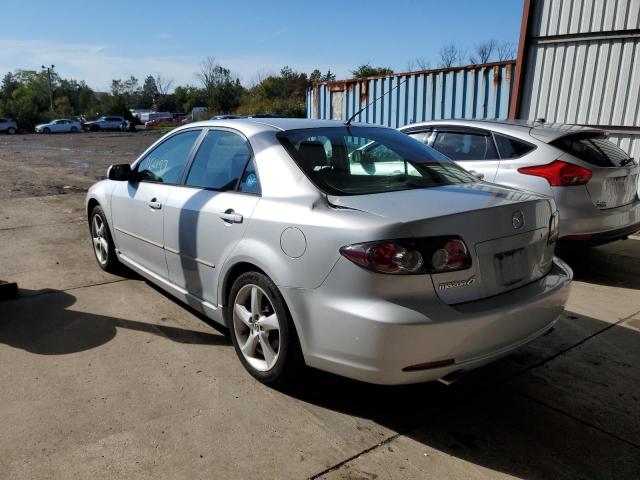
559	173
554	228
445	254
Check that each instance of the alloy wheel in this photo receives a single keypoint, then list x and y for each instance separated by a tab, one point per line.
256	327
99	238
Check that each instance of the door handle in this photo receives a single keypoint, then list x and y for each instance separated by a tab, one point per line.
155	204
230	216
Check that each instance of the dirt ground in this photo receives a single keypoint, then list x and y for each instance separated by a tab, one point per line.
36	165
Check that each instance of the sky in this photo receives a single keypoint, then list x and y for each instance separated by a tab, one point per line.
99	41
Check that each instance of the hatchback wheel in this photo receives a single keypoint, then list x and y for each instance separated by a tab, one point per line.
74	130
103	246
262	331
11	131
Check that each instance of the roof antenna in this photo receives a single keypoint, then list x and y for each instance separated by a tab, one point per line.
348	122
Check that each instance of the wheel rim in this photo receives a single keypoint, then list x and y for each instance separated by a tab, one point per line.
99	237
256	327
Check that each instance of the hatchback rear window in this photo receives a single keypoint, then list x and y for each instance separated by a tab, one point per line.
593	148
364	160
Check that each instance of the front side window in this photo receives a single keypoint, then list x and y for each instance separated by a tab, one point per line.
365	160
165	163
220	161
465	146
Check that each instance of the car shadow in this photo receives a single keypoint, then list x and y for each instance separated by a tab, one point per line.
605	265
46	324
482	419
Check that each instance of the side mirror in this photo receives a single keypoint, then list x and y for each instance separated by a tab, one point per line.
121	172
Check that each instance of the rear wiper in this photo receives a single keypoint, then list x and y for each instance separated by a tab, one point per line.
626	161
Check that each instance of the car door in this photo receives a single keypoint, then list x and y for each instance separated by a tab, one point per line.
471	148
207	216
137	207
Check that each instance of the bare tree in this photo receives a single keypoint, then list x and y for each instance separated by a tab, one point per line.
506	51
163	84
451	55
418	63
483	52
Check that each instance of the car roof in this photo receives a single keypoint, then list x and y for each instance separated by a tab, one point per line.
281	124
546	132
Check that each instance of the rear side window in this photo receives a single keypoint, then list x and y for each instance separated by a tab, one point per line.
511	148
593	148
465	146
366	160
220	161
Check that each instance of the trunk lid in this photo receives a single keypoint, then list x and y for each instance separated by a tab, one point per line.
614	180
505	231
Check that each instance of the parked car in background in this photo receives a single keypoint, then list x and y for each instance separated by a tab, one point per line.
279	230
106	123
163	122
61	125
594	183
8	125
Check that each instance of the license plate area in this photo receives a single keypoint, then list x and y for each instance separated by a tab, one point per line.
511	266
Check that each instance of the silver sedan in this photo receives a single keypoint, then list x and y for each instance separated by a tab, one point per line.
391	268
60	125
594	183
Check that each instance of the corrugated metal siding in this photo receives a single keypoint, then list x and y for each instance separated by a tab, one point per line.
476	91
583	66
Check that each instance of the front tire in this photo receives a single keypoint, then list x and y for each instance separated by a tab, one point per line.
103	247
11	131
262	331
46	130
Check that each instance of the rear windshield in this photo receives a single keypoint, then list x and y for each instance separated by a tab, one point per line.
364	160
593	148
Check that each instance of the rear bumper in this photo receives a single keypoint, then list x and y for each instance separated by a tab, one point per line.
373	339
607	225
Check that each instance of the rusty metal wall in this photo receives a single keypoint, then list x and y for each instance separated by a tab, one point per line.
583	66
474	91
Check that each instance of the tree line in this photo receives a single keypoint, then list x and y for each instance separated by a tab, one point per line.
25	94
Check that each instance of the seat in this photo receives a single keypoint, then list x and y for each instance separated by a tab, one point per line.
314	154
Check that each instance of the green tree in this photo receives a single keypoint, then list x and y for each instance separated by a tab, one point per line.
149	94
366	70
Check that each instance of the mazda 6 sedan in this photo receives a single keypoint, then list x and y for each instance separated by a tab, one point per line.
392	268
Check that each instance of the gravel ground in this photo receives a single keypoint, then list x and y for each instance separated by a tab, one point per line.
36	165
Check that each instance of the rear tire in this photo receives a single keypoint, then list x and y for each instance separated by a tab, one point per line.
11	131
74	130
95	128
103	247
262	331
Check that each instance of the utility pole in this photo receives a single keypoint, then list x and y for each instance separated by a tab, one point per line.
50	85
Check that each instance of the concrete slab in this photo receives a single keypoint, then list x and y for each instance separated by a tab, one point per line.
597	382
499	435
119	381
57	256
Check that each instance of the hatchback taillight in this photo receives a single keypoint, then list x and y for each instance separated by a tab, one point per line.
559	173
442	254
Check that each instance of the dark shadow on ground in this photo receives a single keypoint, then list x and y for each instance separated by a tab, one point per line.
47	325
613	265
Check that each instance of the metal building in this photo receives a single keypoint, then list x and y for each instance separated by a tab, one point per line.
579	63
474	91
